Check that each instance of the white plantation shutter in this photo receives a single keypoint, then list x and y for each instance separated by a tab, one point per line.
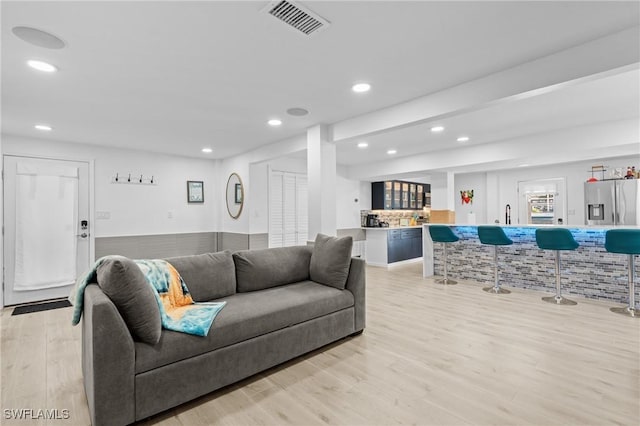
288	210
276	224
302	210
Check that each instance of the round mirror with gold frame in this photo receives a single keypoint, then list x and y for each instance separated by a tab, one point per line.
235	195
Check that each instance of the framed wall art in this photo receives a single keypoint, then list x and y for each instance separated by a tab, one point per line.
195	191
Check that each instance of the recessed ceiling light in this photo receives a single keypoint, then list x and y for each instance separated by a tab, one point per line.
207	150
274	122
361	87
363	145
463	139
392	151
41	66
523	165
43	127
436	129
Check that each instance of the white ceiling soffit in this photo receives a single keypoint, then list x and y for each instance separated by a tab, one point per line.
296	16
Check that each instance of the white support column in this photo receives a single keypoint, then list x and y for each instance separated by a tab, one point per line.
321	175
443	208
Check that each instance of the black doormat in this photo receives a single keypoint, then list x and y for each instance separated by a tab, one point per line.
38	307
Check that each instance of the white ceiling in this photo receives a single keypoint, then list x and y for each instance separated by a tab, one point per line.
608	99
175	77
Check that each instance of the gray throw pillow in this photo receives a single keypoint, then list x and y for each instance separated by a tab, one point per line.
124	283
208	276
330	260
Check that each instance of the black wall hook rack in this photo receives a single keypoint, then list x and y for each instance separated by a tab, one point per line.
134	179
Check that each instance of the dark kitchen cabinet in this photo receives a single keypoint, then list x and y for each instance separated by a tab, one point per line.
404	244
397	194
394	246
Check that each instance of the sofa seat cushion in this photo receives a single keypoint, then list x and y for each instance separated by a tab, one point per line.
245	316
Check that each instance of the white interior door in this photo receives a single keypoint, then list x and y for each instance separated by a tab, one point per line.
276	223
288	209
302	211
46	226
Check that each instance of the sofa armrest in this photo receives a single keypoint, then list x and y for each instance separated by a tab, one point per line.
356	283
108	361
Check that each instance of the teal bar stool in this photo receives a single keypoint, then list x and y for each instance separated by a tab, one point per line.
625	241
556	239
495	236
443	234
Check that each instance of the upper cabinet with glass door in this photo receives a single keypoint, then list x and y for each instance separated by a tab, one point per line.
398	195
405	195
388	195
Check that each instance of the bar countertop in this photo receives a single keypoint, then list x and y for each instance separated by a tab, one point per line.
387	228
537	226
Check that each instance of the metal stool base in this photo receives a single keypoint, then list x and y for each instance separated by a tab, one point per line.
495	290
447	281
559	301
627	311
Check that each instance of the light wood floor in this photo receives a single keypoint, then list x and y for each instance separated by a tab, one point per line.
430	355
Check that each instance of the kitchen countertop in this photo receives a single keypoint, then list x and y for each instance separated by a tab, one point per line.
387	228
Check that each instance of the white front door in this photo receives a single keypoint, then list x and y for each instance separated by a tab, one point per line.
46	227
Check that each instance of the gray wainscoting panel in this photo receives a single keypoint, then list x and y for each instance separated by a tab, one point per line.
258	241
157	246
233	241
358	234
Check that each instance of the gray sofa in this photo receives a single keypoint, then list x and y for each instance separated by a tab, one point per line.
274	313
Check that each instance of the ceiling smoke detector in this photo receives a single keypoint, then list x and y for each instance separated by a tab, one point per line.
296	16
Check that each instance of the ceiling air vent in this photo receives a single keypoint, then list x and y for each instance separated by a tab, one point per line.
296	16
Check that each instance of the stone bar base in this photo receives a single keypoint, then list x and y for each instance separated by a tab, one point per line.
590	271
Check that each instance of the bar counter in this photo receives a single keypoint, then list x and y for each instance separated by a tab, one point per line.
379	250
589	271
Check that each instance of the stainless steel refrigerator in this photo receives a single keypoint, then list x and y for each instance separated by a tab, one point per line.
612	202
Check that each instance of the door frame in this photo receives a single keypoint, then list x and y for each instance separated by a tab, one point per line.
91	183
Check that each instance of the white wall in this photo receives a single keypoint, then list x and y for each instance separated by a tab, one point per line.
478	183
505	184
347	191
1	241
136	209
259	211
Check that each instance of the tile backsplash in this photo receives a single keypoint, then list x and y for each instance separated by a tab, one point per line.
397	217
